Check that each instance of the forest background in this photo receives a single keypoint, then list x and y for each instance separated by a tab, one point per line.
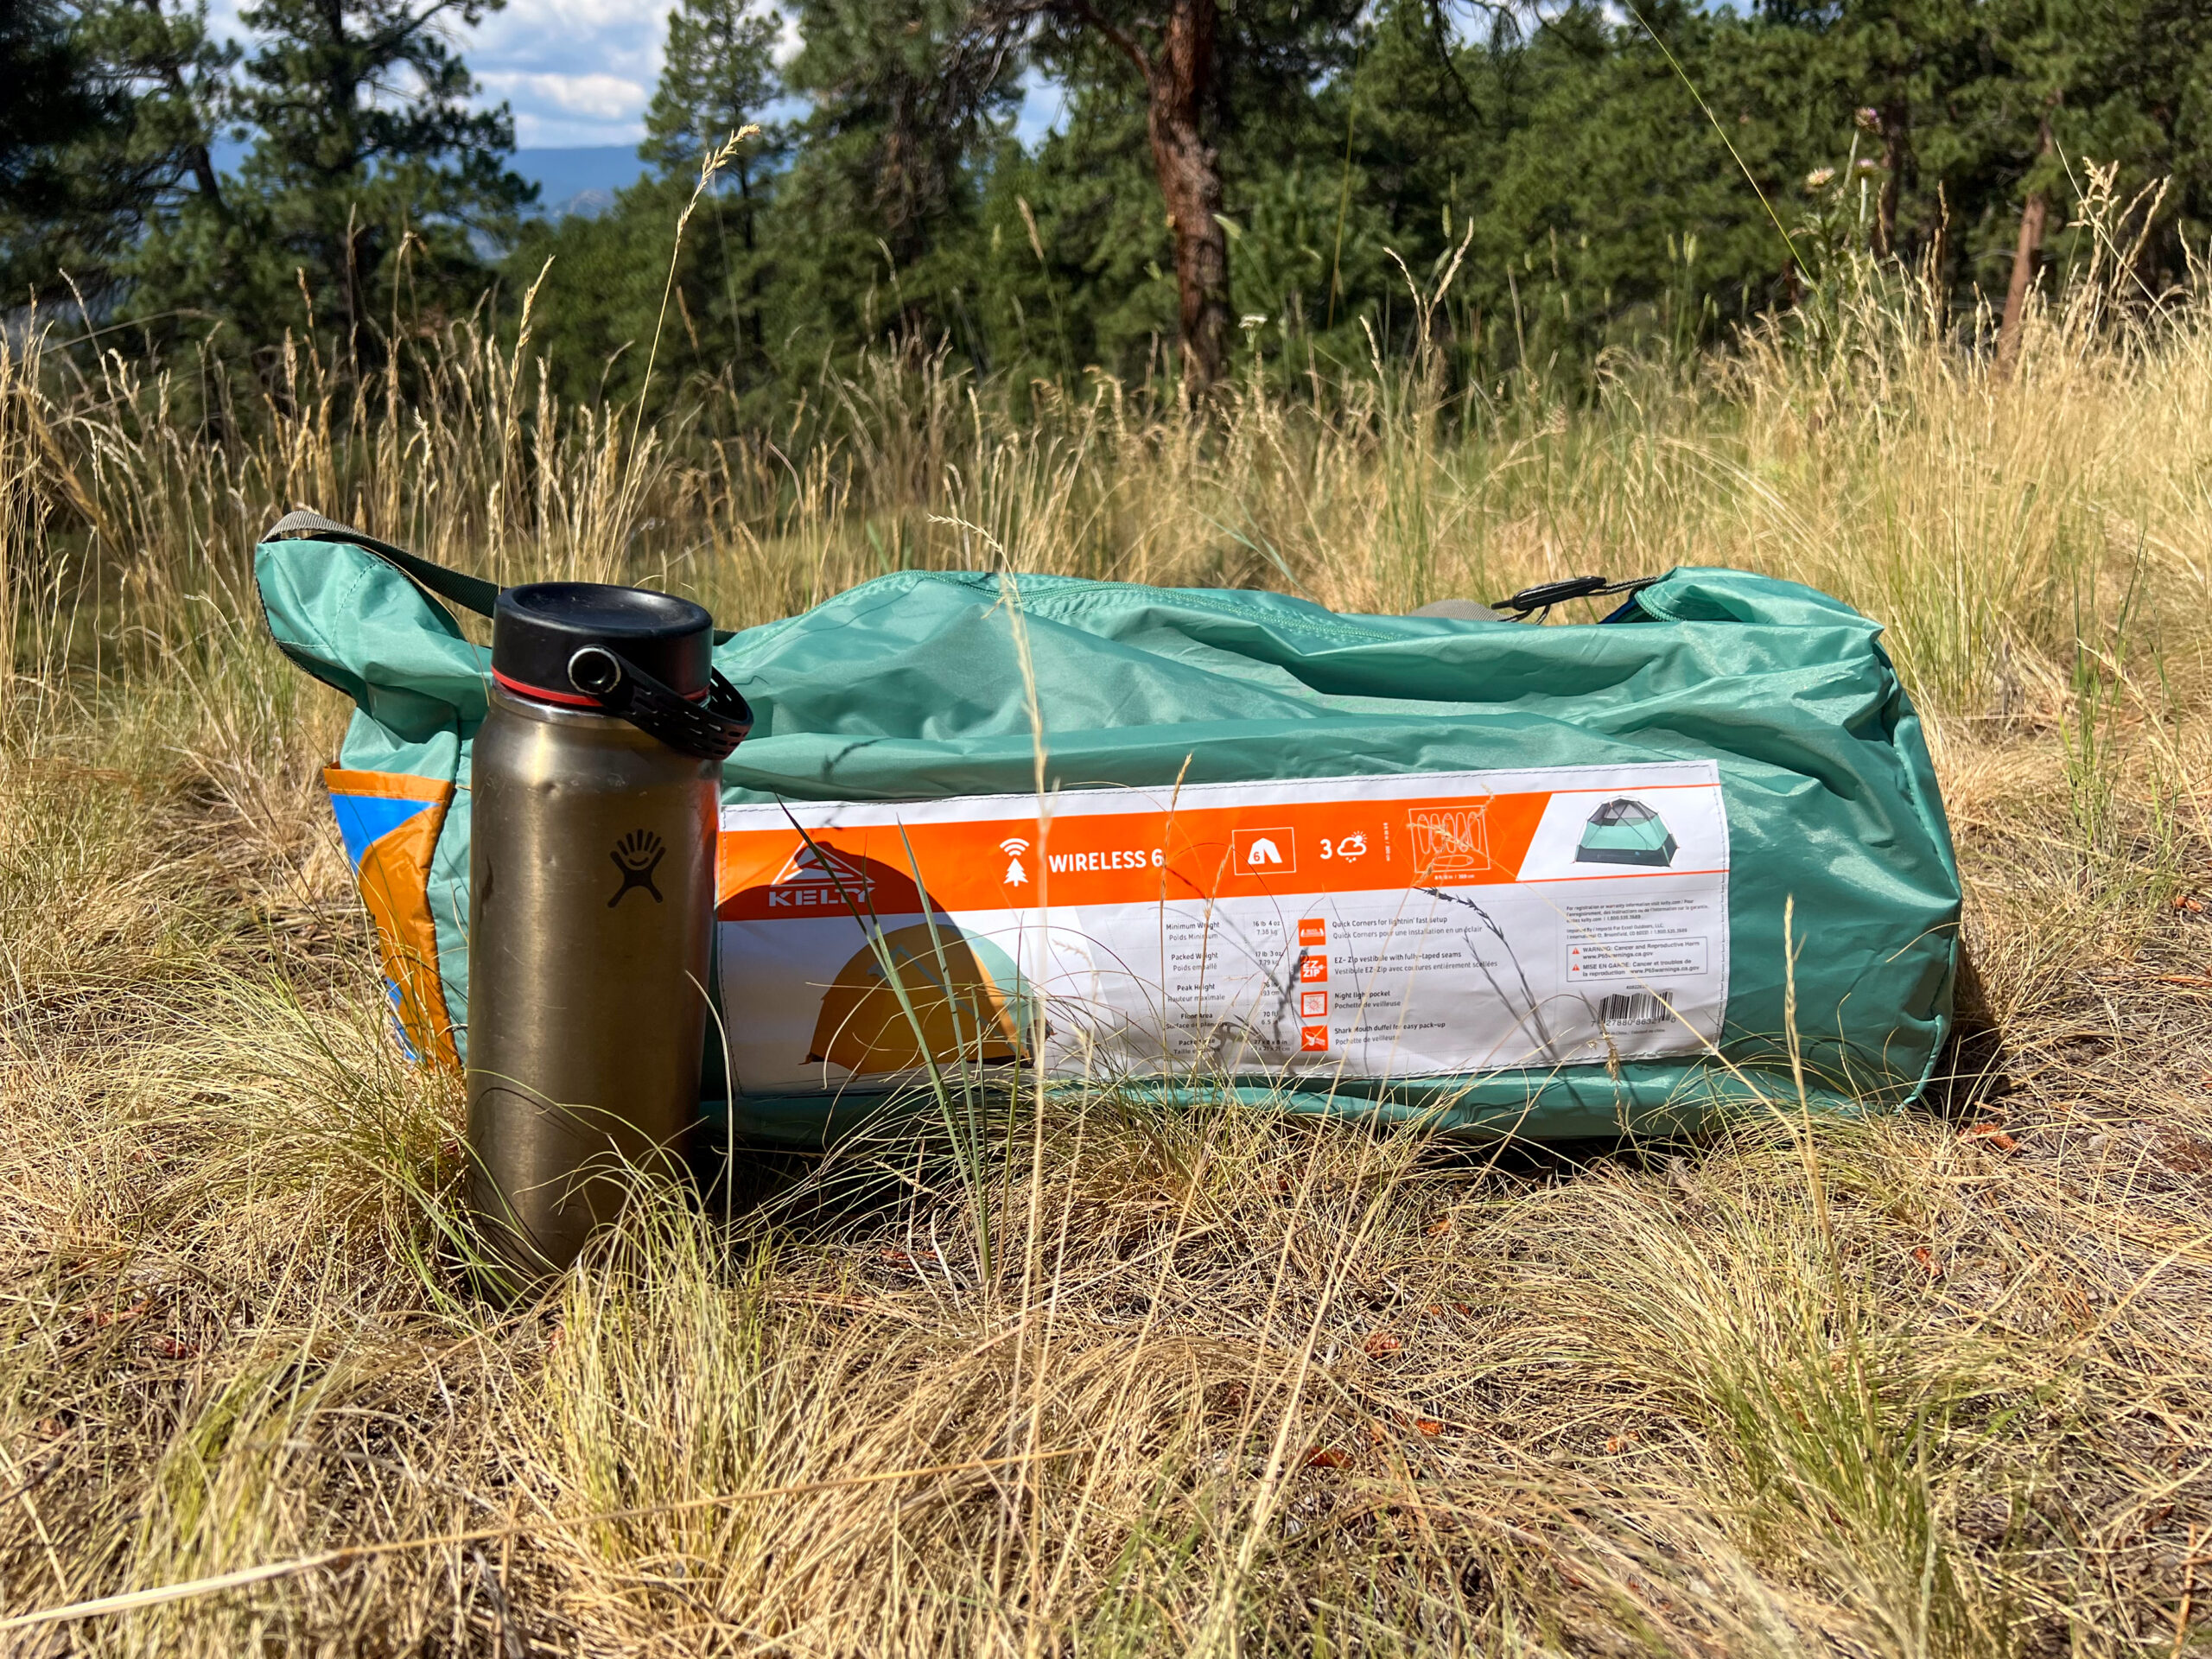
1236	183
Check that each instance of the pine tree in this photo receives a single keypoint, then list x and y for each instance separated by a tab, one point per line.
932	75
109	124
1975	120
2083	81
879	218
718	77
51	107
50	104
366	160
1201	67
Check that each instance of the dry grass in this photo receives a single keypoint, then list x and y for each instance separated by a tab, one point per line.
1932	1384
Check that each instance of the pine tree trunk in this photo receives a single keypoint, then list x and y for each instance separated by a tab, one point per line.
2024	255
1894	131
752	328
170	70
1190	184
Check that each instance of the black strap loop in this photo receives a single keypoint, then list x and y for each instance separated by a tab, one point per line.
709	729
1545	595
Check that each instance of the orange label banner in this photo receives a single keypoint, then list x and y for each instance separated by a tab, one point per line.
1242	850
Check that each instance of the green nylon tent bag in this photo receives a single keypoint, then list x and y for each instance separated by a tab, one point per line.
1488	874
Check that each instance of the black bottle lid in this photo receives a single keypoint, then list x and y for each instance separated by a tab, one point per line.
538	628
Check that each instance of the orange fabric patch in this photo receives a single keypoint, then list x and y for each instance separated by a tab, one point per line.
391	848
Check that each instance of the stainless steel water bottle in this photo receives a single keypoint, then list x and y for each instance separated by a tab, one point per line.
591	878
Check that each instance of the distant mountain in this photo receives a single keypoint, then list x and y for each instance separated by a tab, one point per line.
580	179
583	180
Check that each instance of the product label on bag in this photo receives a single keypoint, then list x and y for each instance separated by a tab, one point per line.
1431	923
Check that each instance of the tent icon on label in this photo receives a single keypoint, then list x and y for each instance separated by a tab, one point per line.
1625	831
1272	850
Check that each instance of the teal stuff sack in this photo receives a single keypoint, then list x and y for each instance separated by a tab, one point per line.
1483	873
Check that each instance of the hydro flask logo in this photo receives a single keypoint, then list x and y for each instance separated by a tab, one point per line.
637	854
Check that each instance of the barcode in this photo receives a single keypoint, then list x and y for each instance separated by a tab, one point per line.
1635	1008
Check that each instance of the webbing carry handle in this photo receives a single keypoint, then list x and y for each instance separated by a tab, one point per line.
472	593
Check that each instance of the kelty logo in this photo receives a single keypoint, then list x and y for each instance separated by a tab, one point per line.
818	878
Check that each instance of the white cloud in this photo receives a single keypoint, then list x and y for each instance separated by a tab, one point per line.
788	39
616	37
534	132
577	72
595	96
586	16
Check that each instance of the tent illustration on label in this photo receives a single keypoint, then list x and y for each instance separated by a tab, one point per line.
966	1003
1625	831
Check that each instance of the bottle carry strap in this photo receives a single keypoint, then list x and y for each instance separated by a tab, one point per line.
709	728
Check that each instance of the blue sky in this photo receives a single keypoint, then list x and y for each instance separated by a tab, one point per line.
579	71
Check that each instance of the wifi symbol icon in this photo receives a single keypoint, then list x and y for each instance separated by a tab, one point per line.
1013	847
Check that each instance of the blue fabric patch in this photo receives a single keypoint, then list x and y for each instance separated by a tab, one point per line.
364	820
396	998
